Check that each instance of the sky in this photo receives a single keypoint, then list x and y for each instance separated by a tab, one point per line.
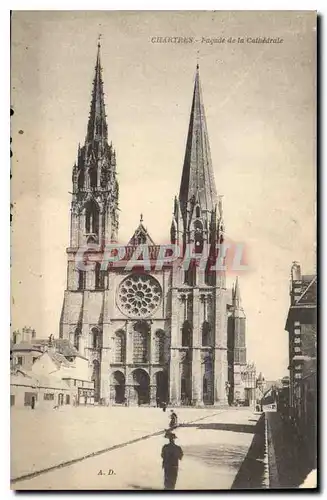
260	102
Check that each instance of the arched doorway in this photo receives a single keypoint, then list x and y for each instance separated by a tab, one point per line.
162	386
118	381
141	382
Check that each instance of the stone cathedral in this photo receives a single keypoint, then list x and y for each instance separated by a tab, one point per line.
159	334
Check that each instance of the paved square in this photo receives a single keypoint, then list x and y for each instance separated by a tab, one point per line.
215	443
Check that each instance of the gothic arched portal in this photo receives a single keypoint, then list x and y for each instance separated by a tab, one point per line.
118	381
141	382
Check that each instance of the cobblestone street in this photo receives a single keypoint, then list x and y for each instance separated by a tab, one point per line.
215	444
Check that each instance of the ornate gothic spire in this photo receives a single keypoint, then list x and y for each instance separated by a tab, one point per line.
97	126
237	295
197	179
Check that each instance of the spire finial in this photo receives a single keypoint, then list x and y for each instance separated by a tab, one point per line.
99	40
141	218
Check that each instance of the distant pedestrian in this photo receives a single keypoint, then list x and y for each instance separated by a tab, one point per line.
33	403
164	406
173	420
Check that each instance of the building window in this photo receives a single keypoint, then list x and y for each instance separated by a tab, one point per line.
96	338
12	400
81	179
206	333
159	347
81	280
91	218
141	343
20	360
48	396
93	177
120	347
67	399
77	337
186	334
74	382
99	277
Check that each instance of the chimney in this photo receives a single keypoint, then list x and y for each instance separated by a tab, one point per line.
27	334
17	337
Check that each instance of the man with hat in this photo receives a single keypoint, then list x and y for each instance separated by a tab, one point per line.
171	453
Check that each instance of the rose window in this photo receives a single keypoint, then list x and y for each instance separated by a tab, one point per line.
139	295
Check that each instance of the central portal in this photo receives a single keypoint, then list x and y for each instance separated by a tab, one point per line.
141	382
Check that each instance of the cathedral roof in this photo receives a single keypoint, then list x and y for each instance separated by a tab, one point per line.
141	236
198	181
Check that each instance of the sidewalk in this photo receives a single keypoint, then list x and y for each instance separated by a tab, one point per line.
286	454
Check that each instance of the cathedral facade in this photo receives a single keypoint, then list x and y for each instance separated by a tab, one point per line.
158	332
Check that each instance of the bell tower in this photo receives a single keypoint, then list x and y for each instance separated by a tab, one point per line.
199	315
94	206
94	224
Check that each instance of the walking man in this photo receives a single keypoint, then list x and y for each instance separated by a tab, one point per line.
171	453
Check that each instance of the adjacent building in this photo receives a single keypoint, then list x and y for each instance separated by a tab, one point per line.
301	326
157	333
48	372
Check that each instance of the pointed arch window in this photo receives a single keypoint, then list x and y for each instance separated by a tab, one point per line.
141	343
186	334
93	177
92	218
95	338
159	347
81	180
190	274
206	333
197	212
120	347
99	277
81	280
77	338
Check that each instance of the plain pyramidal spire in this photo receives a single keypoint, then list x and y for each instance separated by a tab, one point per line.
197	178
97	126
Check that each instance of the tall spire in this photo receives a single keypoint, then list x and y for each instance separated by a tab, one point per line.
197	179
97	126
237	294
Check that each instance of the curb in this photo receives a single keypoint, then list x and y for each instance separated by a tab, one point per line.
271	458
